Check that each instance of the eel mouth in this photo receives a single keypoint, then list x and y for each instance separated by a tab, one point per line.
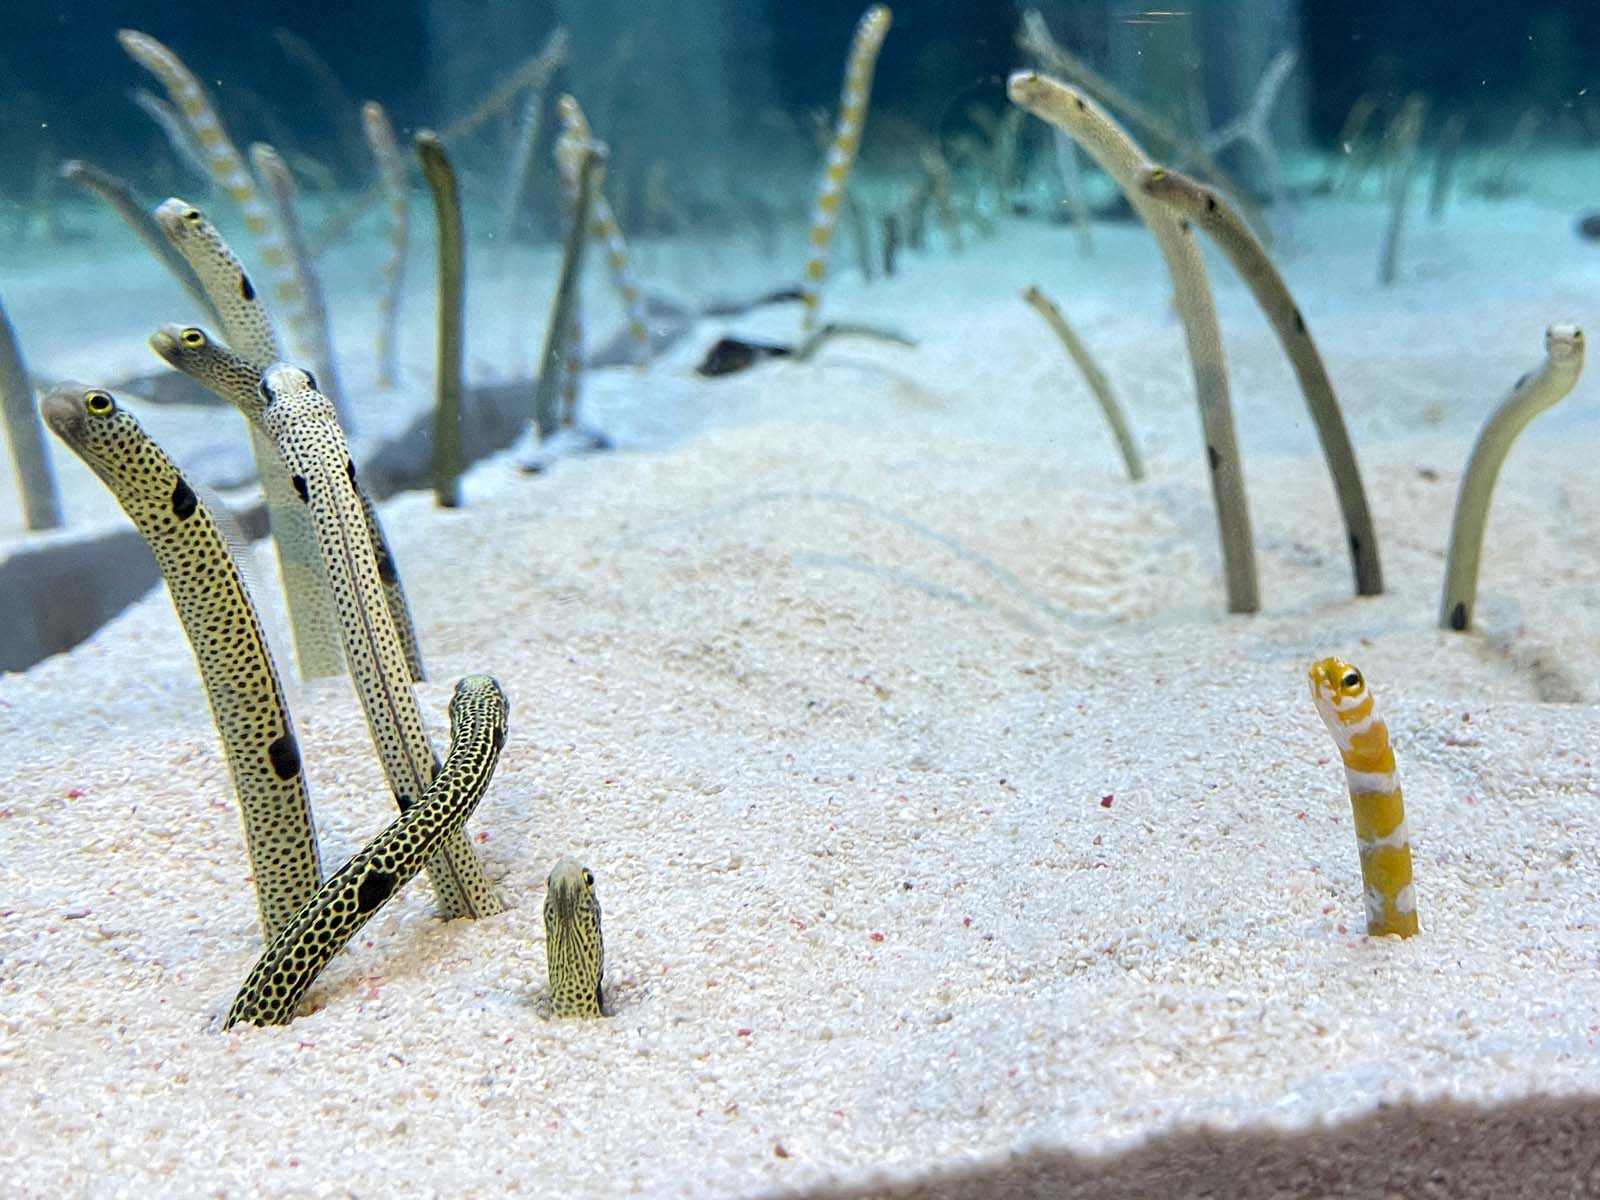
164	342
62	409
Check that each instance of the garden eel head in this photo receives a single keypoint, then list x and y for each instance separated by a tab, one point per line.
283	379
116	447
183	222
1340	693
477	698
574	950
197	354
1563	342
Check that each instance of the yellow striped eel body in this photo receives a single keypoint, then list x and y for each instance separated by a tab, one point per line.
326	923
302	424
224	632
1342	699
226	166
1211	211
192	351
853	97
573	947
603	225
249	331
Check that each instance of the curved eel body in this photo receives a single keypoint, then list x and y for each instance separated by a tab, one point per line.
306	311
302	424
1536	391
1208	209
192	351
1342	699
574	949
249	331
224	631
326	923
1119	156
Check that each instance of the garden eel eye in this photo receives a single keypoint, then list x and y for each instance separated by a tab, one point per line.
1351	680
192	216
312	380
193	337
587	877
98	403
264	391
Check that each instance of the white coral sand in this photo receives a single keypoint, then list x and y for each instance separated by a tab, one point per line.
937	810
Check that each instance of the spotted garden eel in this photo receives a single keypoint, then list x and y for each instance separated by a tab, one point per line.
1342	699
224	632
325	924
302	424
192	351
249	331
573	947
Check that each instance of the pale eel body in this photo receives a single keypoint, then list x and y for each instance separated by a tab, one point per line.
853	97
326	923
249	331
302	424
192	351
392	176
1536	391
1119	156
224	632
1228	228
573	947
1342	699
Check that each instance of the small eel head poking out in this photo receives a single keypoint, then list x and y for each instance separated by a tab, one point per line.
574	951
1341	696
1564	342
108	438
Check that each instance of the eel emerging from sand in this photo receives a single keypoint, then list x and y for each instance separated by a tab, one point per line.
573	947
1342	699
302	424
238	381
224	631
325	924
249	331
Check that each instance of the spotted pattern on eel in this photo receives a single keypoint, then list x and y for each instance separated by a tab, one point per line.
249	331
325	924
573	946
220	621
302	424
199	356
1342	699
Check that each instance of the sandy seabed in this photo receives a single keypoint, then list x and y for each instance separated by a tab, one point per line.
939	814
